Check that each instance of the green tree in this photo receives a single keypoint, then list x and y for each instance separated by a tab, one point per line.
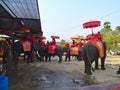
106	29
61	43
113	39
117	28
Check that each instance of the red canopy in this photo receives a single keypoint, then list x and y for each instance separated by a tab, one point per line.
24	29
6	32
42	37
55	36
74	38
91	24
83	38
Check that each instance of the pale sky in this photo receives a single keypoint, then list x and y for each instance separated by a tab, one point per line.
66	17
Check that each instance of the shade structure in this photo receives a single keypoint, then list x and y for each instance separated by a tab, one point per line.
17	13
24	29
91	24
74	38
83	38
5	32
42	37
55	36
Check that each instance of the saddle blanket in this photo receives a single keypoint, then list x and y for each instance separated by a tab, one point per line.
26	45
74	50
51	49
99	46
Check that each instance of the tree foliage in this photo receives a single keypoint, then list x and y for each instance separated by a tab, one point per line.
61	43
111	37
106	30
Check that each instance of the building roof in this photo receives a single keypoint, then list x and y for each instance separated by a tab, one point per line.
17	13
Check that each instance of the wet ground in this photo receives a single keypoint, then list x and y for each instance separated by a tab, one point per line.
57	76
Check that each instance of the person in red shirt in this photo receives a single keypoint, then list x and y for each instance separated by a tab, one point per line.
99	36
67	45
41	44
41	49
67	50
47	43
53	42
73	43
33	39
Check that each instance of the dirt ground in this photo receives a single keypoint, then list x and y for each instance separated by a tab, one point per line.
60	76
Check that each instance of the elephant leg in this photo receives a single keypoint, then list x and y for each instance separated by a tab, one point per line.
66	58
102	64
69	57
86	64
68	54
46	57
60	58
88	69
96	64
49	58
29	54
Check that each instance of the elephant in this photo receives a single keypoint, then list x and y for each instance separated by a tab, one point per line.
18	49
5	54
89	54
58	51
72	51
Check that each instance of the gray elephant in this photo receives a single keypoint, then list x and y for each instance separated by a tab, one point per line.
58	51
89	54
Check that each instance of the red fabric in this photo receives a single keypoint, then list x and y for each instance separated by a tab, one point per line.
74	38
99	36
48	43
93	41
67	45
51	49
54	43
26	45
42	37
33	39
74	50
91	24
99	46
55	37
24	29
80	44
91	36
41	44
23	40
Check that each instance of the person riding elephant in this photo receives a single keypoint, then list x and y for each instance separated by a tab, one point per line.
52	50
53	42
